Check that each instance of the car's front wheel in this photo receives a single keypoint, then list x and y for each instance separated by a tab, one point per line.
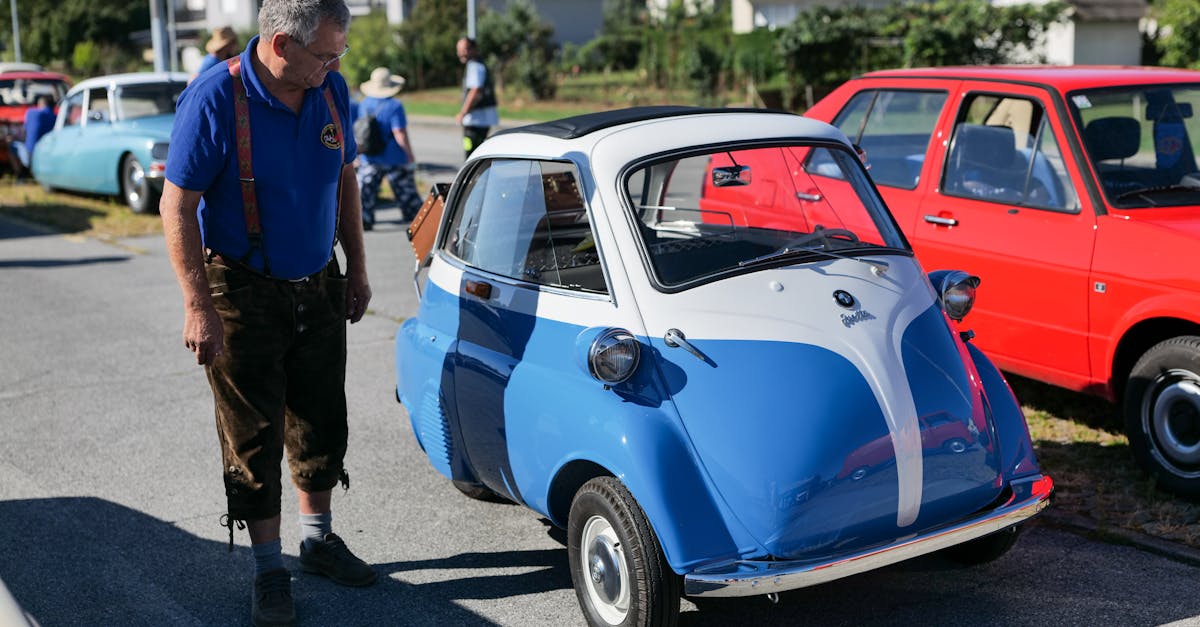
1162	414
620	573
136	189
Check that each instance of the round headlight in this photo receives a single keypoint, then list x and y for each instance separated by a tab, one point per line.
956	290
613	356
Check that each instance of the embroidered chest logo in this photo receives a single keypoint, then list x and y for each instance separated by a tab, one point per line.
330	138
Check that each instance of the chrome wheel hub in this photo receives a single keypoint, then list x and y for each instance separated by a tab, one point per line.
1173	420
606	572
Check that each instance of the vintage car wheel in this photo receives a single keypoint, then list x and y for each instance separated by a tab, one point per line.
620	573
985	549
1162	414
479	492
135	188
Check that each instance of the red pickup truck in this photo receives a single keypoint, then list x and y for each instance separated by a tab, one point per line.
19	91
1074	193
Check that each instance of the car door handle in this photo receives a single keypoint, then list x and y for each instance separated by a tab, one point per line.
675	339
939	220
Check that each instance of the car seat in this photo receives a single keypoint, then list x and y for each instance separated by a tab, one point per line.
984	163
1114	138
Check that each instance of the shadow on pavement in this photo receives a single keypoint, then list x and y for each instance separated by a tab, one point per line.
84	560
57	263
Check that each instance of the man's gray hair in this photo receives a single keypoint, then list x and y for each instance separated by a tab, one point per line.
299	19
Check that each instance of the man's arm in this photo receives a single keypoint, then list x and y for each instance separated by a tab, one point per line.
202	330
401	136
473	95
358	290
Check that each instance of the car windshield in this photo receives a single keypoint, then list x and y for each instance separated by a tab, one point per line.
1142	143
25	91
728	211
145	100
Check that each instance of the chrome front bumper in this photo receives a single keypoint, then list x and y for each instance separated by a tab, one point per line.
1030	496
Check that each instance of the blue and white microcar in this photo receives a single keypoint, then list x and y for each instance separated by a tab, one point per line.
698	341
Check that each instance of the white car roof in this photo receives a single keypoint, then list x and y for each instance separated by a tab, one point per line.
132	78
622	135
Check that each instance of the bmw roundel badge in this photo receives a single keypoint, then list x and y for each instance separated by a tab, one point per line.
843	298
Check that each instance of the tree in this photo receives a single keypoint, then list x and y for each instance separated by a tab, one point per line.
1178	37
520	46
51	29
427	40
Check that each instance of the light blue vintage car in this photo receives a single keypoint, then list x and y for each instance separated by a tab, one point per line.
698	341
111	138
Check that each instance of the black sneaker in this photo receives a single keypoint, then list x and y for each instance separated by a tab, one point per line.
331	558
271	604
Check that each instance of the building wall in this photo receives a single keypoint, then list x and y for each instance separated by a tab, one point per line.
1108	43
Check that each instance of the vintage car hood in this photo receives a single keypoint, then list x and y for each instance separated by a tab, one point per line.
157	127
840	431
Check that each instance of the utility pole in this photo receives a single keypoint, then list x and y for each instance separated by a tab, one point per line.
16	32
470	18
158	36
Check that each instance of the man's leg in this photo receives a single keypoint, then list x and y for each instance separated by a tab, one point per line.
315	431
369	178
403	182
248	387
472	137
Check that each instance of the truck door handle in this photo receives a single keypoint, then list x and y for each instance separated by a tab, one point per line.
939	220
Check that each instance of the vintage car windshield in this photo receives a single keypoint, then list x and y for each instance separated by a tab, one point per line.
148	99
1142	143
25	91
728	211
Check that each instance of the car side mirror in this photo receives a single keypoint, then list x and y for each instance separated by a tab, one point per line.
731	176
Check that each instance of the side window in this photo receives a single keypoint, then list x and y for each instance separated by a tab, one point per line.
73	110
1003	150
98	105
893	127
527	220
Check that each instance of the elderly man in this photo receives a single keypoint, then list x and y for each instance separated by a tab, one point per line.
260	188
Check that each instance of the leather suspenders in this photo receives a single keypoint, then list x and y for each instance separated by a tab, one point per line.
241	109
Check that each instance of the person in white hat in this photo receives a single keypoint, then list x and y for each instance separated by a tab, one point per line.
394	159
222	45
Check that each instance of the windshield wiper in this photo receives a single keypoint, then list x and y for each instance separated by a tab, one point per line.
878	268
1143	192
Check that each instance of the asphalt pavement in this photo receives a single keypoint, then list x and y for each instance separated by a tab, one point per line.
110	488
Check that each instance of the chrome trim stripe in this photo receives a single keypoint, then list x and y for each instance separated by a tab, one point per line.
751	577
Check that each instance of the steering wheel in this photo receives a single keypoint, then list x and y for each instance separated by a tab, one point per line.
824	234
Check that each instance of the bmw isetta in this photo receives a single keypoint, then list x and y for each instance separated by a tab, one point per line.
721	379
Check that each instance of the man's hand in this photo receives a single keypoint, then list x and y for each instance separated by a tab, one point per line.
203	334
358	295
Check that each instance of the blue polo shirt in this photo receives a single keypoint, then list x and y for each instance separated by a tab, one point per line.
297	161
38	122
390	115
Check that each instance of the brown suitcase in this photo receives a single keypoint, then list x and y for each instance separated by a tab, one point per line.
423	229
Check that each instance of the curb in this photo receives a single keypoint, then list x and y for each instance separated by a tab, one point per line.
1088	527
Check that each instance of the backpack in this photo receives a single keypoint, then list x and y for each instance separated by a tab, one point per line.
368	134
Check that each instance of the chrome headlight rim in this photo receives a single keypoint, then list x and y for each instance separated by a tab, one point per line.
956	292
614	356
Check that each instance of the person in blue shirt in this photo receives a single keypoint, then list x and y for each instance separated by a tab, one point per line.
259	189
222	45
396	162
38	121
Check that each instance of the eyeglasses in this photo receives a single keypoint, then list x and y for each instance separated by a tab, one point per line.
325	61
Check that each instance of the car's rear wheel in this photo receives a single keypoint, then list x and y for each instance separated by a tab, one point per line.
620	573
985	549
479	492
136	189
1162	414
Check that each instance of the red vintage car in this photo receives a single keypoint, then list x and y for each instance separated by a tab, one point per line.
19	91
1074	194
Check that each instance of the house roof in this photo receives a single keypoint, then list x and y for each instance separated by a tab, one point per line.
1109	10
